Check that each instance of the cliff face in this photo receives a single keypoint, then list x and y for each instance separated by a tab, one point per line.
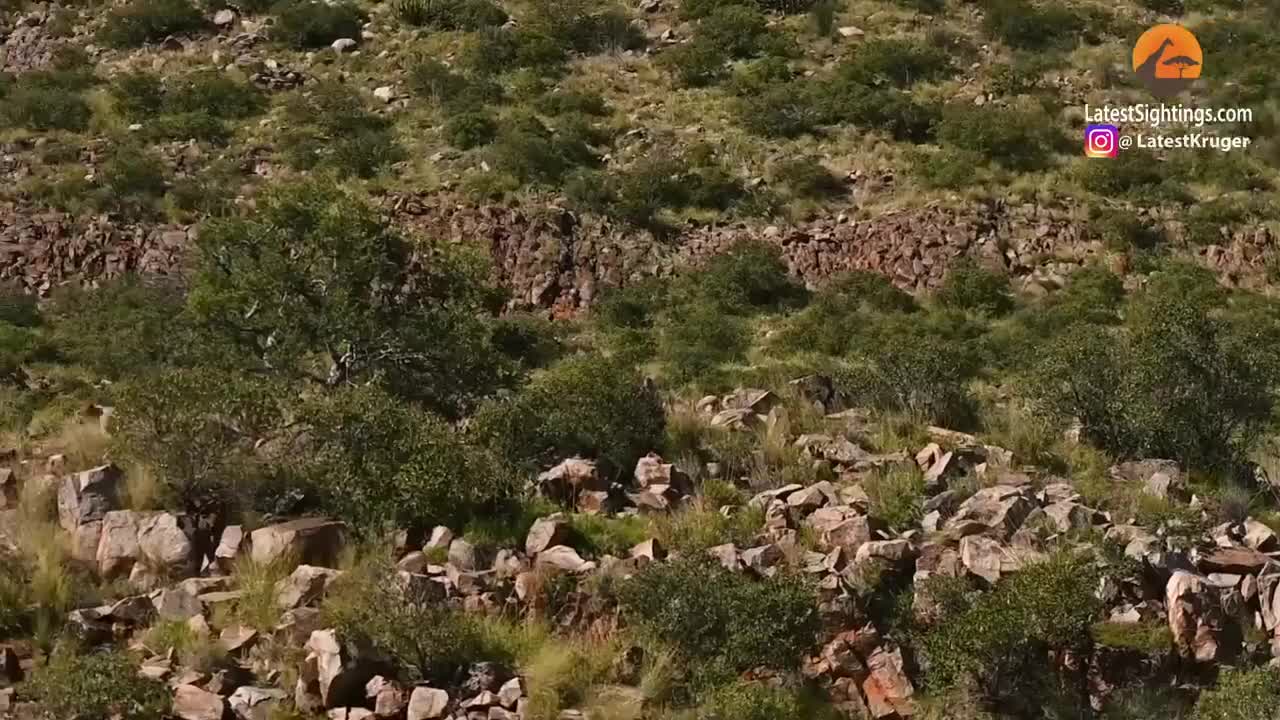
553	259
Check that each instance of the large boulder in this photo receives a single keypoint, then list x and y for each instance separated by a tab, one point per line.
566	481
255	703
228	550
88	496
651	470
310	541
334	672
427	703
165	545
118	547
1194	617
547	532
305	585
563	557
1000	509
887	687
193	703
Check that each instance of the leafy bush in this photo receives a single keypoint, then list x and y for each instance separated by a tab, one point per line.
807	177
997	639
469	129
331	128
85	322
584	405
785	109
342	299
1240	693
947	167
695	342
839	311
195	430
968	286
1019	138
431	641
143	21
721	621
450	14
98	685
496	50
384	465
748	277
453	90
695	64
1135	174
1022	24
734	30
1174	382
752	701
315	23
132	181
901	63
532	153
583	26
48	99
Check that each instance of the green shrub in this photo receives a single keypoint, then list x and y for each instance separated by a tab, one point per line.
450	14
897	495
98	685
695	64
998	639
131	181
572	101
307	24
532	153
698	9
1018	138
497	50
1240	693
901	63
1174	382
453	90
334	290
1167	7
838	312
583	26
469	129
696	341
925	6
384	465
143	21
734	30
429	640
84	322
782	110
195	430
721	621
43	108
950	167
1135	174
331	128
583	405
748	277
1123	230
1024	25
969	286
13	598
751	701
807	177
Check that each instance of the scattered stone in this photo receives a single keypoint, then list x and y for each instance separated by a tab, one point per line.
176	604
193	703
88	496
385	93
342	45
426	703
545	533
311	541
650	550
255	703
224	556
564	558
224	17
463	556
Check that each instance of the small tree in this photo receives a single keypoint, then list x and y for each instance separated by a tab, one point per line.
316	287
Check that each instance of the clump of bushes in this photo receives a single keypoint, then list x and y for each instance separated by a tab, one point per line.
1174	381
48	99
529	151
999	639
1018	138
450	14
308	24
455	91
384	465
195	106
901	63
585	405
640	194
1028	26
330	128
343	300
807	177
1240	693
722	622
97	685
143	21
969	286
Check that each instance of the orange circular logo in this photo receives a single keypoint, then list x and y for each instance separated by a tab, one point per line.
1168	58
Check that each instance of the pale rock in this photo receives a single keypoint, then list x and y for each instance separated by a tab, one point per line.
118	544
305	585
166	547
426	703
255	703
192	703
88	496
545	533
311	541
564	558
342	45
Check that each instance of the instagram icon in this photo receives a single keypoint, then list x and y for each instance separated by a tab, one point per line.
1101	141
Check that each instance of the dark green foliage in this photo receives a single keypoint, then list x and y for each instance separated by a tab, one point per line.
496	50
697	9
783	110
95	686
807	177
639	195
736	31
450	14
1175	381
314	286
968	286
193	106
531	152
452	90
837	313
1135	174
925	6
721	621
749	277
48	99
1240	694
196	430
469	129
86	323
901	63
743	700
585	405
695	64
330	128
532	340
946	167
583	26
384	465
1123	230
1025	25
13	597
143	21
430	641
1168	7
1018	138
694	343
998	639
571	101
131	182
307	24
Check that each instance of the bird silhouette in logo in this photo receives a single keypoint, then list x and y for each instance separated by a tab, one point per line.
1167	59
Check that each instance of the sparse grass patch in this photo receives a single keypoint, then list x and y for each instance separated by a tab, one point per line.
1145	637
897	494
